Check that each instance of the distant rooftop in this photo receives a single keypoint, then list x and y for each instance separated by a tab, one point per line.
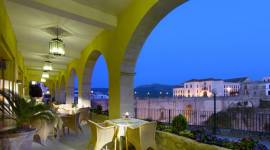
237	80
201	80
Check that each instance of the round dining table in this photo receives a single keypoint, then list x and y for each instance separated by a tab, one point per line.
122	124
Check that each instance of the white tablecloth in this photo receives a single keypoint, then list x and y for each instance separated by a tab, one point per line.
122	124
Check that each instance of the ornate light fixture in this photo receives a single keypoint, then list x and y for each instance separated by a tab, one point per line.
57	46
43	80
47	66
33	82
45	75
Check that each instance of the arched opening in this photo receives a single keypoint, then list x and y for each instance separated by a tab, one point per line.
230	50
99	86
62	94
72	89
57	92
147	24
95	82
188	112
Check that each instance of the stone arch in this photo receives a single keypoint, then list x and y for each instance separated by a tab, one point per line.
139	36
57	90
188	112
87	77
62	91
71	86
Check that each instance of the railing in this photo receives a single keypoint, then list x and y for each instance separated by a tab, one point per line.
237	119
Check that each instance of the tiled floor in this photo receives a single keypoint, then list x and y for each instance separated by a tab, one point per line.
67	142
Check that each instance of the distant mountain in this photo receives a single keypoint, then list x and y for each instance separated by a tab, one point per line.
146	91
154	91
104	91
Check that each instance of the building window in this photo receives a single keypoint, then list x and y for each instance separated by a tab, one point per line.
268	93
205	94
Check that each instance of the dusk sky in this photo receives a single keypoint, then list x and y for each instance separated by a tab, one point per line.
201	39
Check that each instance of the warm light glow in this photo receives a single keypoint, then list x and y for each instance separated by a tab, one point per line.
45	75
229	89
48	92
33	82
43	80
56	47
47	66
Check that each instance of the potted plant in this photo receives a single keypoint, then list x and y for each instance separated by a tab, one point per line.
23	112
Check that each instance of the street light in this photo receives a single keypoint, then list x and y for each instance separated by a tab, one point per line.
215	111
148	94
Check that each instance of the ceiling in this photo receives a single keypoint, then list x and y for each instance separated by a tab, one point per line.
81	21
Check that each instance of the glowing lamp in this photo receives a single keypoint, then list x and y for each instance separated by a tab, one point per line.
47	66
45	75
43	80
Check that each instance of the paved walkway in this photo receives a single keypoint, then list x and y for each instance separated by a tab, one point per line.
67	142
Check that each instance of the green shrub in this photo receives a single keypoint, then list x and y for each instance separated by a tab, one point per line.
246	144
187	133
99	109
179	123
164	127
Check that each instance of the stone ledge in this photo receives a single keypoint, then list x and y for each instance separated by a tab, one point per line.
169	141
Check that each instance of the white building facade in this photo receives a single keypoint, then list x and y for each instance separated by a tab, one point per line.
206	87
267	89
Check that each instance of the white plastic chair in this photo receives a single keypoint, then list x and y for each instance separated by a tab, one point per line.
142	137
101	135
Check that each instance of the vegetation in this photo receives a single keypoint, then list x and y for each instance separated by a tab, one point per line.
204	136
23	111
99	109
179	124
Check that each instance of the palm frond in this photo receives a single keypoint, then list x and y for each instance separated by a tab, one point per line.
24	111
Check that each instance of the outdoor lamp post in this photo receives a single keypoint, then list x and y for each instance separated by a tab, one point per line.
215	112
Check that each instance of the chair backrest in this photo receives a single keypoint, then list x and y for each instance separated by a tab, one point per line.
100	132
84	113
93	128
148	130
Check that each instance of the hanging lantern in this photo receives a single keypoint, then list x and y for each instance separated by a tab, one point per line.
43	80
47	66
57	45
45	75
